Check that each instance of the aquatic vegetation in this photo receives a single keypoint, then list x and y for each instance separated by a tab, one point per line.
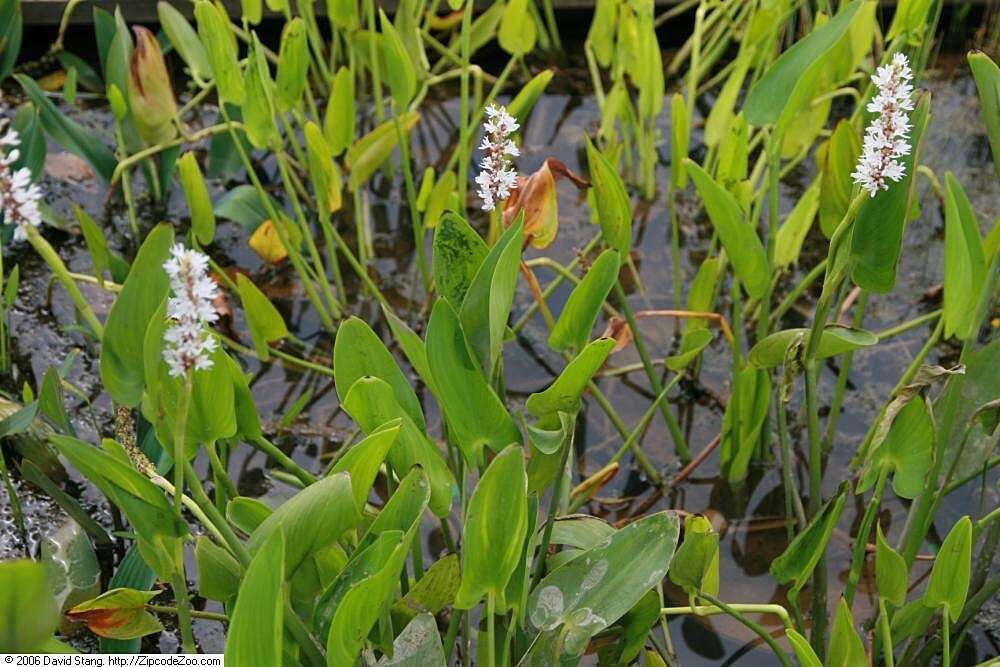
454	510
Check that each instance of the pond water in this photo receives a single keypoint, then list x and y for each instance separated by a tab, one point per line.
750	517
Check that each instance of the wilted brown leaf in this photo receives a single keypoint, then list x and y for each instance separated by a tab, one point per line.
536	196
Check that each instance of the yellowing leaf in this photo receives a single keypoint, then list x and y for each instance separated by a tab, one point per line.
267	244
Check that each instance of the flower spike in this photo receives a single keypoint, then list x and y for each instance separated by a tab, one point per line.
190	308
886	138
19	197
497	179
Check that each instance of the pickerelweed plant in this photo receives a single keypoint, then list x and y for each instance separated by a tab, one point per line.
314	126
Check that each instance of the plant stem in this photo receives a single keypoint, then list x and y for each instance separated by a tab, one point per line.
946	636
861	540
62	274
885	630
680	444
285	461
179	453
463	113
179	584
815	503
206	615
543	548
842	377
491	642
755	627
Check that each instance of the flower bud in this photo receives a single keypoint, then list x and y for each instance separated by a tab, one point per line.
150	93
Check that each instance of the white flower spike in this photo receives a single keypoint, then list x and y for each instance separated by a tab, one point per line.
886	138
497	179
19	197
188	345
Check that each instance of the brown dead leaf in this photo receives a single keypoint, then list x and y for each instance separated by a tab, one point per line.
67	167
618	329
536	196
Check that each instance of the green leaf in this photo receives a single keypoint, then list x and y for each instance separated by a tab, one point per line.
369	153
721	115
695	566
219	574
144	289
339	121
835	339
258	109
803	649
132	572
10	35
846	647
400	73
798	561
439	199
363	460
293	65
476	416
243	206
28	123
908	451
964	263
311	520
949	583
418	645
67	133
494	531
253	11
692	344
435	591
217	36
769	96
890	571
680	138
987	76
486	306
578	316
522	103
614	210
247	513
563	395
184	40
836	158
28	612
794	229
591	592
50	401
263	319
738	237
738	446
878	227
459	251
196	194
97	244
517	33
359	352
372	404
118	614
255	628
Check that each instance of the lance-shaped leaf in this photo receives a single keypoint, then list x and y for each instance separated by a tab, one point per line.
400	73
522	103
359	352
614	210
890	571
803	649
878	227
258	109
196	194
987	76
794	229
769	97
517	34
219	574
576	601
798	561
680	139
563	395
476	416
255	628
184	39
835	339
339	121
10	35
964	263
293	65
578	316
836	158
265	322
459	251
311	520
369	153
846	647
220	42
323	171
695	566
362	461
372	404
494	530
948	587
144	289
486	306
151	97
118	614
738	237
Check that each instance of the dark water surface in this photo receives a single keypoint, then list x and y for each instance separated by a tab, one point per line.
750	517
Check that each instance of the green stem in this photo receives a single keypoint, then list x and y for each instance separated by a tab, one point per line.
285	461
179	584
860	552
946	636
755	627
553	507
842	377
411	194
491	642
885	629
463	113
62	274
179	453
206	615
797	291
680	444
815	503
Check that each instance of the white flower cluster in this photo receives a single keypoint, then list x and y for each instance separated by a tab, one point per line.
19	198
497	179
886	139
189	346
